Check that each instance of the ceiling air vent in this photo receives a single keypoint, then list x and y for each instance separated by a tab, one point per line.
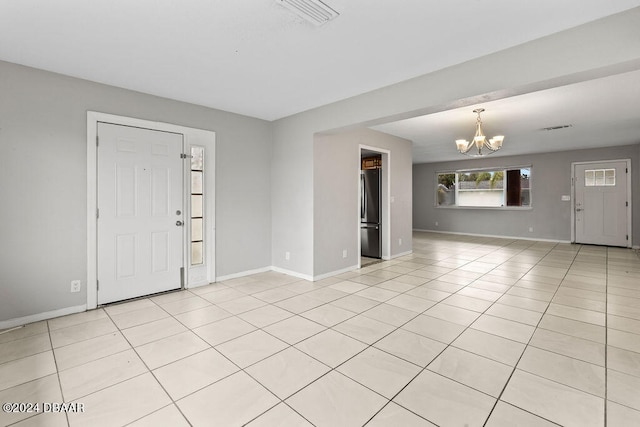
313	11
557	127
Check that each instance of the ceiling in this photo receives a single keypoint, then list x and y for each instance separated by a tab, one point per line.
602	112
256	58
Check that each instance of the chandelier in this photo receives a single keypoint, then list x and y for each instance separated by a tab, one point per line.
479	146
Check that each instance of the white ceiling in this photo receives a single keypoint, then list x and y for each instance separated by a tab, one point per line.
602	112
256	58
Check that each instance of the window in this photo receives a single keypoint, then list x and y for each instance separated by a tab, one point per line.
197	206
485	188
600	178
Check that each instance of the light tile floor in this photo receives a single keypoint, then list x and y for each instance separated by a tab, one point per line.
466	331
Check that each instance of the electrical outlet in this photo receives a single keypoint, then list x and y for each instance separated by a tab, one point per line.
75	285
436	223
287	256
530	229
344	253
400	242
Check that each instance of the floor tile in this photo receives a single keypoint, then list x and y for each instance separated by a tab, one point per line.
574	328
251	348
437	329
132	318
299	303
624	340
294	329
202	316
265	315
99	374
526	303
76	319
328	315
623	361
565	370
153	331
390	314
567	345
224	330
504	328
551	400
623	389
330	347
395	415
335	400
122	403
428	293
377	294
506	415
170	349
57	419
381	372
233	401
619	415
480	373
469	303
89	350
241	305
124	307
169	416
280	415
355	303
194	372
45	389
587	316
411	347
364	329
410	302
23	347
24	331
516	314
82	331
457	315
286	372
450	403
26	369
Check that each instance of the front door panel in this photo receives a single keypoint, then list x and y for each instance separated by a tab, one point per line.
140	245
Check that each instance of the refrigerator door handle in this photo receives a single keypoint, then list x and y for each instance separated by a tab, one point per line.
363	198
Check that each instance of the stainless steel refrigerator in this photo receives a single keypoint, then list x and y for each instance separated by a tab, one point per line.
370	198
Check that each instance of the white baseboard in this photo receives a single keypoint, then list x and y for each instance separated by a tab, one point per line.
243	273
495	236
334	273
19	321
292	273
401	254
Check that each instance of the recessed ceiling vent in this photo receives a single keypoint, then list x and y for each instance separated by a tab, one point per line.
557	127
313	11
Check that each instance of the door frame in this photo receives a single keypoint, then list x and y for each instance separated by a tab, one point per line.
196	276
629	193
385	196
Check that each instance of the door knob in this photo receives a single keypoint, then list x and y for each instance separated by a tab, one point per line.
179	223
579	210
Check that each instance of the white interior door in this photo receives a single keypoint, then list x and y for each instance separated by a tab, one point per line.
140	204
601	204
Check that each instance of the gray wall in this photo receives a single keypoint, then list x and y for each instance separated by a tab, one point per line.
549	216
336	192
43	237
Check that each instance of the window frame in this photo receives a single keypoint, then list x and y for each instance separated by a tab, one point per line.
503	169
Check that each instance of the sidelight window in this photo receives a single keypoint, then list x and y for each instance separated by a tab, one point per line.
197	205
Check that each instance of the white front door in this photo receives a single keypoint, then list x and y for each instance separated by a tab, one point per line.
601	204
140	212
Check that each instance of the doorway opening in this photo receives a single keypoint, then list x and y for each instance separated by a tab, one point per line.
374	229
